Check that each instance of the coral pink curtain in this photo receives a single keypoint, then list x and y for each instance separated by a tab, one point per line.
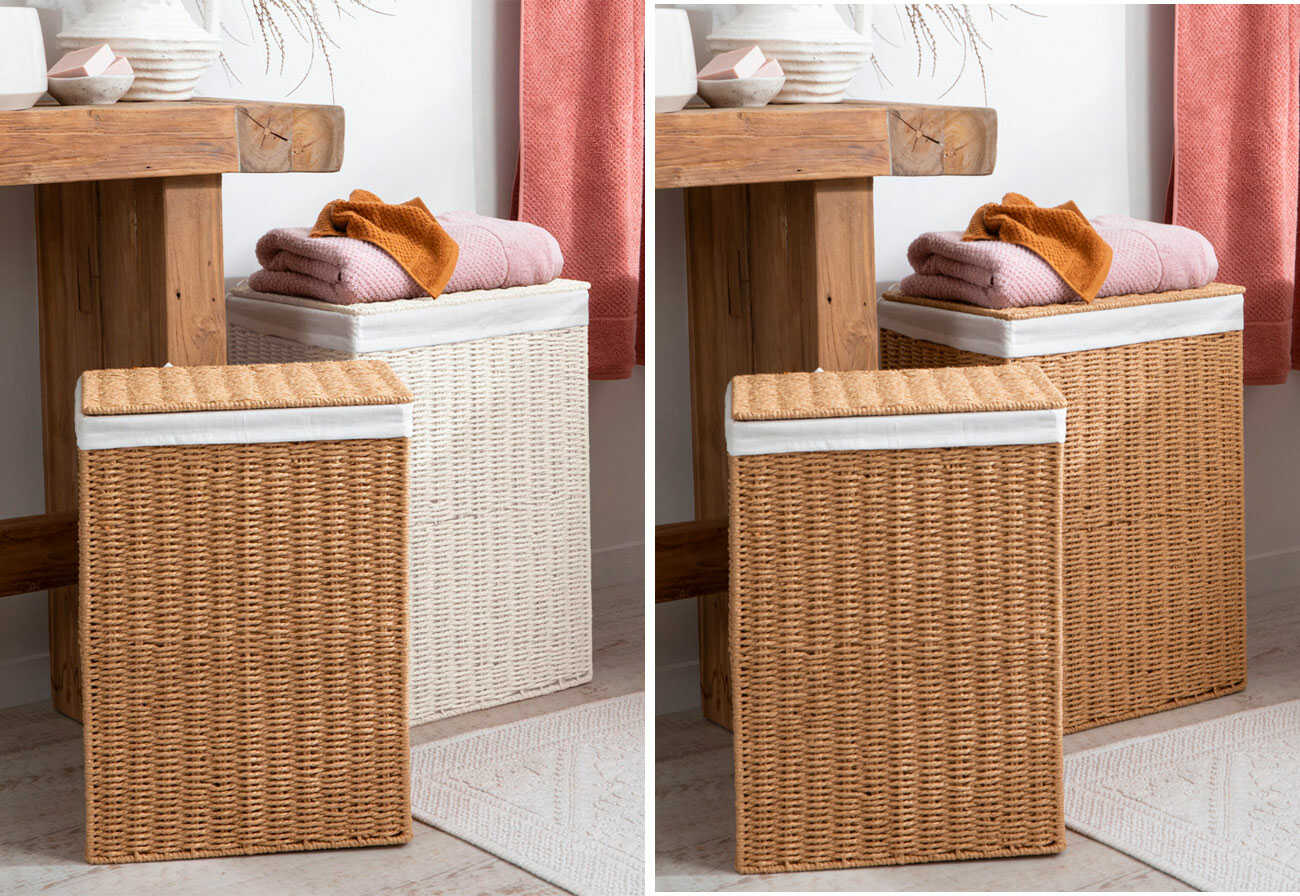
581	158
1236	174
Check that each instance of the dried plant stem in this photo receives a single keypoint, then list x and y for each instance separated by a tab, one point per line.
278	23
959	24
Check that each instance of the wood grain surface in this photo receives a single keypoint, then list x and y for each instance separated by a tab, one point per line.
129	275
60	144
780	277
37	552
710	147
690	559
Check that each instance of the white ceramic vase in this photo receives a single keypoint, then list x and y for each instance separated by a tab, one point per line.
818	51
22	58
167	49
674	60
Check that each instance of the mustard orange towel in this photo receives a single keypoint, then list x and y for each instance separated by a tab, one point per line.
408	232
1061	236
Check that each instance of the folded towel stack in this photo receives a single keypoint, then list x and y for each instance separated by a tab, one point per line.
1146	257
493	253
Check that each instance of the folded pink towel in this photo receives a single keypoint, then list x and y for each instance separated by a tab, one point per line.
1148	257
494	253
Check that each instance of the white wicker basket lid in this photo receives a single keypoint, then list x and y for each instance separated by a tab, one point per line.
411	323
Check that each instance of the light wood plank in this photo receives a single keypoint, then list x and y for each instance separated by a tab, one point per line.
844	242
53	144
60	144
711	147
189	247
718	295
68	275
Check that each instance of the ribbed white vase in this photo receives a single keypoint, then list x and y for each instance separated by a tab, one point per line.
167	49
819	52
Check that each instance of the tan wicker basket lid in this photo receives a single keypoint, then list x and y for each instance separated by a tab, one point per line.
1210	290
882	393
162	390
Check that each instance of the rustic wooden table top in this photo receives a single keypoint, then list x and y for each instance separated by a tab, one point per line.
712	147
57	144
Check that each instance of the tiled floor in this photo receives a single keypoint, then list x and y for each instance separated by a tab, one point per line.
694	812
41	814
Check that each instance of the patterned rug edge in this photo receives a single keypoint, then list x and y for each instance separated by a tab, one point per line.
511	839
1169	863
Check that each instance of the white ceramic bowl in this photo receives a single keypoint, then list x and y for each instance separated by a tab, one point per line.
743	92
22	58
99	90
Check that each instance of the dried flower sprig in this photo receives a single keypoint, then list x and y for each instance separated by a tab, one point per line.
960	24
278	23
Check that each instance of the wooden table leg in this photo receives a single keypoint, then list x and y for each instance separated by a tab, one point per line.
130	274
781	277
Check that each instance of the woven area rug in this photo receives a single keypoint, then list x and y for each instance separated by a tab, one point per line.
559	795
1216	804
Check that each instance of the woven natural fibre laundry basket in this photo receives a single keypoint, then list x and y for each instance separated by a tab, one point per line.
243	609
895	545
1155	611
500	532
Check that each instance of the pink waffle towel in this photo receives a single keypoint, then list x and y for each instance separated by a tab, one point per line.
1235	177
1148	257
581	158
494	253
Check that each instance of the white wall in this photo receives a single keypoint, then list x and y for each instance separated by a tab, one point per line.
431	98
1084	100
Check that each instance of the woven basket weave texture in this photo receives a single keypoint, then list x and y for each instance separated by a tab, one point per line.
155	390
243	642
895	653
1154	525
499	527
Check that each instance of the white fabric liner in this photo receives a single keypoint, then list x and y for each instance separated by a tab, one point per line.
411	323
966	429
243	427
1059	333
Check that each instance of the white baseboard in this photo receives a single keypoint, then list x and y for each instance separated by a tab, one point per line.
25	679
1273	571
618	565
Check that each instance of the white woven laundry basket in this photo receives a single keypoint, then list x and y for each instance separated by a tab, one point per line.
500	543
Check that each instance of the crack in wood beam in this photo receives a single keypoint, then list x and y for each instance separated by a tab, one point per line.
922	134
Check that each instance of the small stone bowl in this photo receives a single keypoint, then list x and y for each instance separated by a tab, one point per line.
99	90
733	92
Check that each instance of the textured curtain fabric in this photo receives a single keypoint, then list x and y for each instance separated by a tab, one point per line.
1237	162
581	157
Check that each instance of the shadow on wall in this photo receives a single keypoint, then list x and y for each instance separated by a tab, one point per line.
1149	47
